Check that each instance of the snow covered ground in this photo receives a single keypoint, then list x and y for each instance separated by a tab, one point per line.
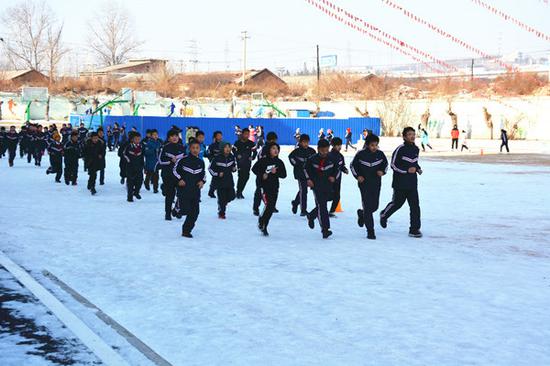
474	291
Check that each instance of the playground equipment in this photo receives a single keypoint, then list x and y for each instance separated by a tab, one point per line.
31	95
125	96
143	98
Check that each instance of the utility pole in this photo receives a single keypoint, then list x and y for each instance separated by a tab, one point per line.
318	75
244	37
194	50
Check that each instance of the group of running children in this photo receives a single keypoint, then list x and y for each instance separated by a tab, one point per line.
182	169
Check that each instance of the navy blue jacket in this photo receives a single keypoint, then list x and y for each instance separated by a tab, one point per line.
190	169
298	158
264	166
226	165
319	170
367	164
403	158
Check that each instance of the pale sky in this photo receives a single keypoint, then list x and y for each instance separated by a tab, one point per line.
284	32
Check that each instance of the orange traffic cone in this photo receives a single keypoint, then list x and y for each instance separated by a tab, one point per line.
339	207
481	152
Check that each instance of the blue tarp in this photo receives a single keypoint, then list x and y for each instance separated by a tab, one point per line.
283	127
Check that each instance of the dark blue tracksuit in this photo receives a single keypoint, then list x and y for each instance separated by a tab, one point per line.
245	152
168	155
55	151
222	168
405	184
72	153
135	162
367	164
190	169
11	141
340	162
319	170
298	158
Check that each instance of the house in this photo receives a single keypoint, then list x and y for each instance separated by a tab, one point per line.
134	68
28	76
256	78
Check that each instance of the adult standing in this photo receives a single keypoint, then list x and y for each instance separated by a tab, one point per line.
455	134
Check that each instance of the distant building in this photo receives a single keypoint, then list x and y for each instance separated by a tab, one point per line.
136	68
28	76
258	78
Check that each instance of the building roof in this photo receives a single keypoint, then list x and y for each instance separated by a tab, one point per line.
130	63
7	75
222	77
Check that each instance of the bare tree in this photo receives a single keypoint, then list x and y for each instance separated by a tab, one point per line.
27	24
112	34
54	49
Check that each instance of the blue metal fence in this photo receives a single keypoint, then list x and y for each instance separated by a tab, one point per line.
283	127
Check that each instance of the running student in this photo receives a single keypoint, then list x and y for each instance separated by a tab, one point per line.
269	170
504	140
190	176
340	162
425	140
133	154
464	141
222	168
298	158
404	164
11	141
214	149
151	150
72	152
172	150
101	135
245	151
55	151
348	138
38	145
368	167
93	156
321	172
263	152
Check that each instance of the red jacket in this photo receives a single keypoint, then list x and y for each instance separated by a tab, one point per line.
455	133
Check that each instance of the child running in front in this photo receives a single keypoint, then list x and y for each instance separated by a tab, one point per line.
298	158
55	151
222	168
269	170
321	172
135	163
368	167
190	176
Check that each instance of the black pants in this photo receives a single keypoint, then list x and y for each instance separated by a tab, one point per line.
134	180
56	166
225	195
190	208
257	197
336	194
398	199
464	147
301	196
12	152
504	144
71	171
454	144
169	184
23	149
152	178
348	143
30	152
370	198
92	176
321	211
244	175
270	200
38	153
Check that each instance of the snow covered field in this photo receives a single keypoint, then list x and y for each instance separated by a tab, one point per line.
474	291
